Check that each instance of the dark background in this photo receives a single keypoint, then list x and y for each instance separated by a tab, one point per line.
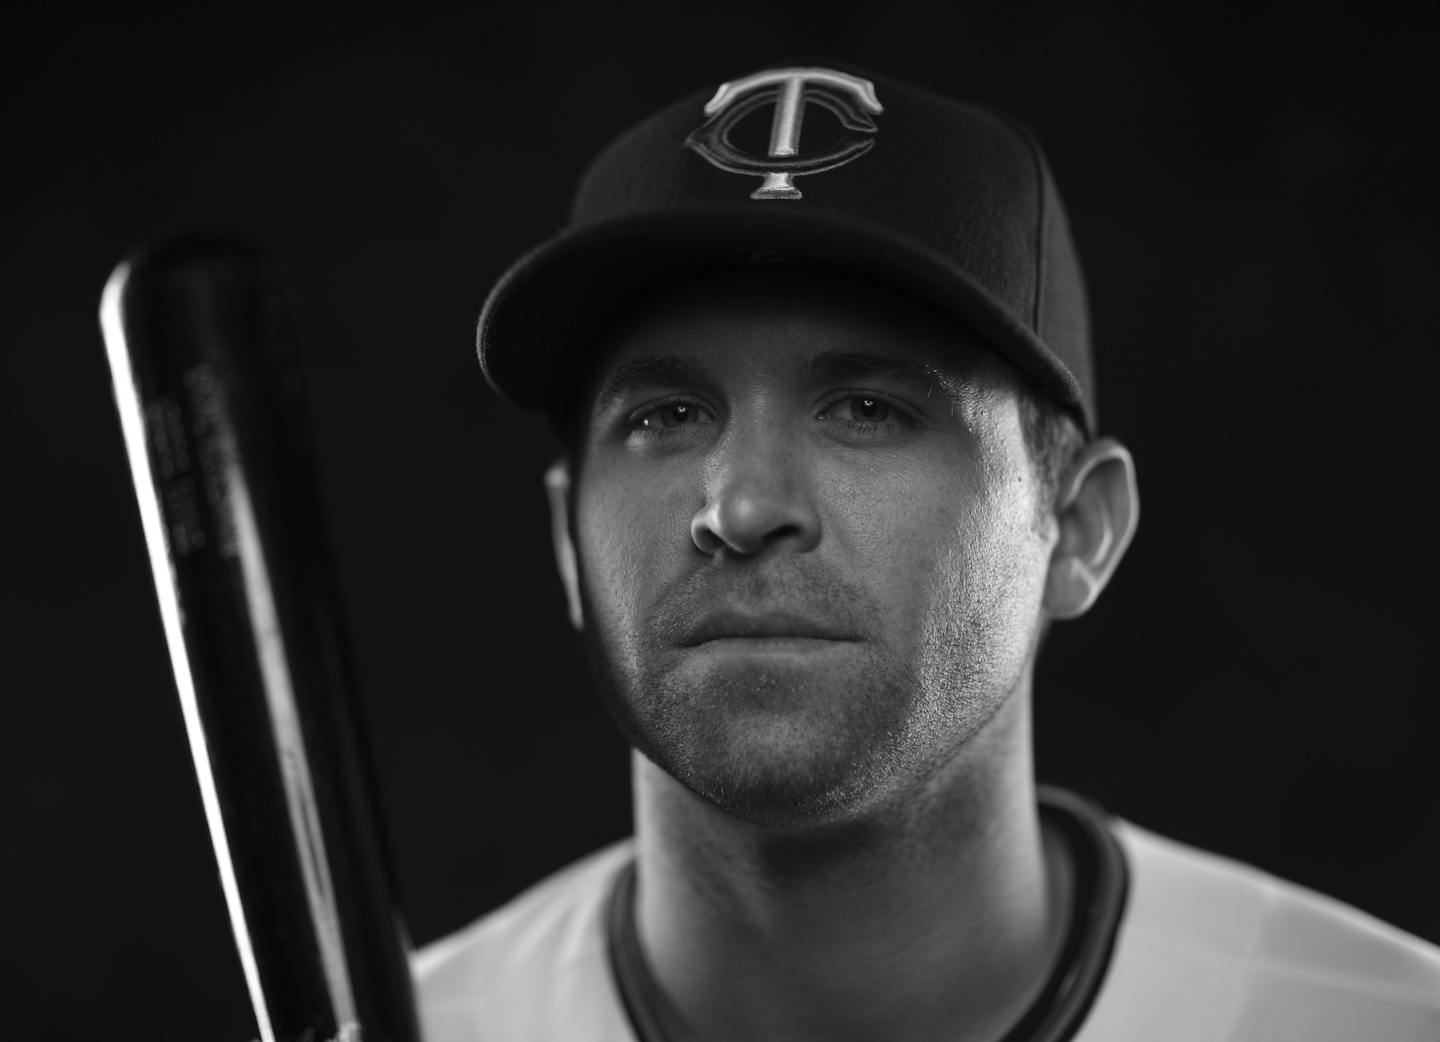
1251	194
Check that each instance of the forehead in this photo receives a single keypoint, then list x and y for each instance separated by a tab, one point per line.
782	324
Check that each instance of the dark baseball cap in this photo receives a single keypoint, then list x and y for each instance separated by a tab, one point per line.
826	168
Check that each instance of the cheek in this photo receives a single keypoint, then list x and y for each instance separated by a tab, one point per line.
896	517
627	534
949	544
988	577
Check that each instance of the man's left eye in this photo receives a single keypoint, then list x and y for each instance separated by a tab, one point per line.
862	409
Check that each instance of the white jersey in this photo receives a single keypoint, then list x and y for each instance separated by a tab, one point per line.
1204	949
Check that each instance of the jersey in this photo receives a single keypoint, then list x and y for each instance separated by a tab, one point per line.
1168	942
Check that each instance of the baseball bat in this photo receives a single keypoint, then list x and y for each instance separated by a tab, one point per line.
211	407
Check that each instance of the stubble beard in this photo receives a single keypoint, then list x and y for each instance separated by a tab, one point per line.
865	744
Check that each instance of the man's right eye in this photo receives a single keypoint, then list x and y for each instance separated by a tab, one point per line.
667	417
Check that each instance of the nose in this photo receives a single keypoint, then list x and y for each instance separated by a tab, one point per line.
757	495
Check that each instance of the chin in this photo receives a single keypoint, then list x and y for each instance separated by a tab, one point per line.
780	792
774	746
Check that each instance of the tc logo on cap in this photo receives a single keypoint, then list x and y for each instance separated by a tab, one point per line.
850	98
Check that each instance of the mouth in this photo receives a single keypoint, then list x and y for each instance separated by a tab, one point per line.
761	630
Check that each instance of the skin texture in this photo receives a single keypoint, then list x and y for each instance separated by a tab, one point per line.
802	554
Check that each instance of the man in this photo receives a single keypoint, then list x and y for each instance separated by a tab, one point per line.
817	350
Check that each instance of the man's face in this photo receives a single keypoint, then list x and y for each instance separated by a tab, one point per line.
806	547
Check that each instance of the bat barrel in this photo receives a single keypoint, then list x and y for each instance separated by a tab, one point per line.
211	406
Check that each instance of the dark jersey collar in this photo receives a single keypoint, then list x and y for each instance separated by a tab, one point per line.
1101	884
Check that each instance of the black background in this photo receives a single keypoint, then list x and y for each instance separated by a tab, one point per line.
1252	197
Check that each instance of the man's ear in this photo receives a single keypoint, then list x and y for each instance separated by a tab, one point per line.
557	491
1097	510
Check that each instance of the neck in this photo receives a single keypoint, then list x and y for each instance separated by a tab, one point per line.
939	915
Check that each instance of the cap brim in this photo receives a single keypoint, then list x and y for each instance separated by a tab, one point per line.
551	308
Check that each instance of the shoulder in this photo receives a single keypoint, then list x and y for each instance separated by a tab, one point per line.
535	968
1213	949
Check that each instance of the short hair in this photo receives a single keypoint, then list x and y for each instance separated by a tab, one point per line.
1053	438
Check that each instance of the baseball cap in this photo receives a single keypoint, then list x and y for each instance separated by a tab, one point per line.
819	167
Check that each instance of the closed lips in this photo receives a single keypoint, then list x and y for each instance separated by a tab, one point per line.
731	625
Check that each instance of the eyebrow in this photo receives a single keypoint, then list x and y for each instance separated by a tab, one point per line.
842	366
669	371
644	374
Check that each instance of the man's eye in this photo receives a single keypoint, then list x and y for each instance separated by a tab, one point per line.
668	416
863	410
868	410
